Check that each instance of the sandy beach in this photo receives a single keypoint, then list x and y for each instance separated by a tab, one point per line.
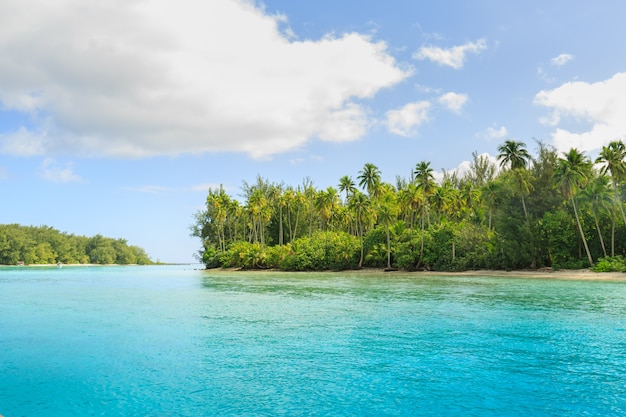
545	273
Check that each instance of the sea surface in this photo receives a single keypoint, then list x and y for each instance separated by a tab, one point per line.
177	341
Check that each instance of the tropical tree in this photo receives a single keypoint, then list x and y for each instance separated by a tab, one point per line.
513	154
597	196
346	185
359	204
613	158
571	175
369	179
387	214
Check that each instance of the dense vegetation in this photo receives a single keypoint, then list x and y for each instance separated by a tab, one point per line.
526	211
45	245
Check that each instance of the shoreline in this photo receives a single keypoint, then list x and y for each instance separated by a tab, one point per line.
568	274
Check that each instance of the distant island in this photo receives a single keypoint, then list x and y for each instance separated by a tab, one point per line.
520	211
41	245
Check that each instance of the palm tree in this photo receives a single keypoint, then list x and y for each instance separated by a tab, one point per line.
598	197
387	214
489	194
425	182
346	185
571	175
613	157
326	205
514	154
369	178
359	204
522	186
424	177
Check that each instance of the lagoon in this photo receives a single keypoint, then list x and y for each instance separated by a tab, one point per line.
177	341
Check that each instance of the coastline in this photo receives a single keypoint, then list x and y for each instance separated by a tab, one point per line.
569	274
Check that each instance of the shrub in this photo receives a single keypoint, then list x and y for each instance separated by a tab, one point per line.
322	251
610	264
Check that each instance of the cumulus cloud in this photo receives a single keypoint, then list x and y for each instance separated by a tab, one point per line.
561	60
453	57
52	171
494	132
465	167
405	121
601	105
136	79
453	101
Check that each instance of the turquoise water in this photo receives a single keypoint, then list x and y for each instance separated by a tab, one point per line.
173	341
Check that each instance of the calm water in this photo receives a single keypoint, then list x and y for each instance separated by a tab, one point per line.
173	341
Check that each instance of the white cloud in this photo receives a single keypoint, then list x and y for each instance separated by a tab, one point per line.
347	124
561	60
135	79
453	57
23	142
453	101
51	171
602	105
494	132
404	121
466	166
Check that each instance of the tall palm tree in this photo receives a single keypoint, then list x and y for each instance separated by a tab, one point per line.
598	197
424	177
326	205
369	179
571	174
359	204
346	185
387	214
425	182
522	186
613	157
489	194
514	154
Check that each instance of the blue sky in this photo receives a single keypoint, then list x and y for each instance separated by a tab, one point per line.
117	116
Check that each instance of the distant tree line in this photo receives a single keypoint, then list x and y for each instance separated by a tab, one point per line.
46	245
524	211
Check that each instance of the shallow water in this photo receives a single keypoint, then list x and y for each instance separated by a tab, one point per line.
156	341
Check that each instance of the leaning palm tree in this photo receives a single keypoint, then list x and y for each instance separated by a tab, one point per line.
597	196
613	157
571	174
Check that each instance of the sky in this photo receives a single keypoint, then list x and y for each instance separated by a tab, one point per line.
117	116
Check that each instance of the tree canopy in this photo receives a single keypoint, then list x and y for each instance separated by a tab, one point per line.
527	211
46	245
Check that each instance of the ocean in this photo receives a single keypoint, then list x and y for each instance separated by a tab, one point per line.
180	341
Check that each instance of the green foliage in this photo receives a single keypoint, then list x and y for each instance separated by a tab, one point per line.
323	251
610	264
46	245
561	239
408	250
536	211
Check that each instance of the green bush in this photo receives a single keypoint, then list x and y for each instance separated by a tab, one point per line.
610	264
322	251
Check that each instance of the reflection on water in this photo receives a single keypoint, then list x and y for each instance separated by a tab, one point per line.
175	341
